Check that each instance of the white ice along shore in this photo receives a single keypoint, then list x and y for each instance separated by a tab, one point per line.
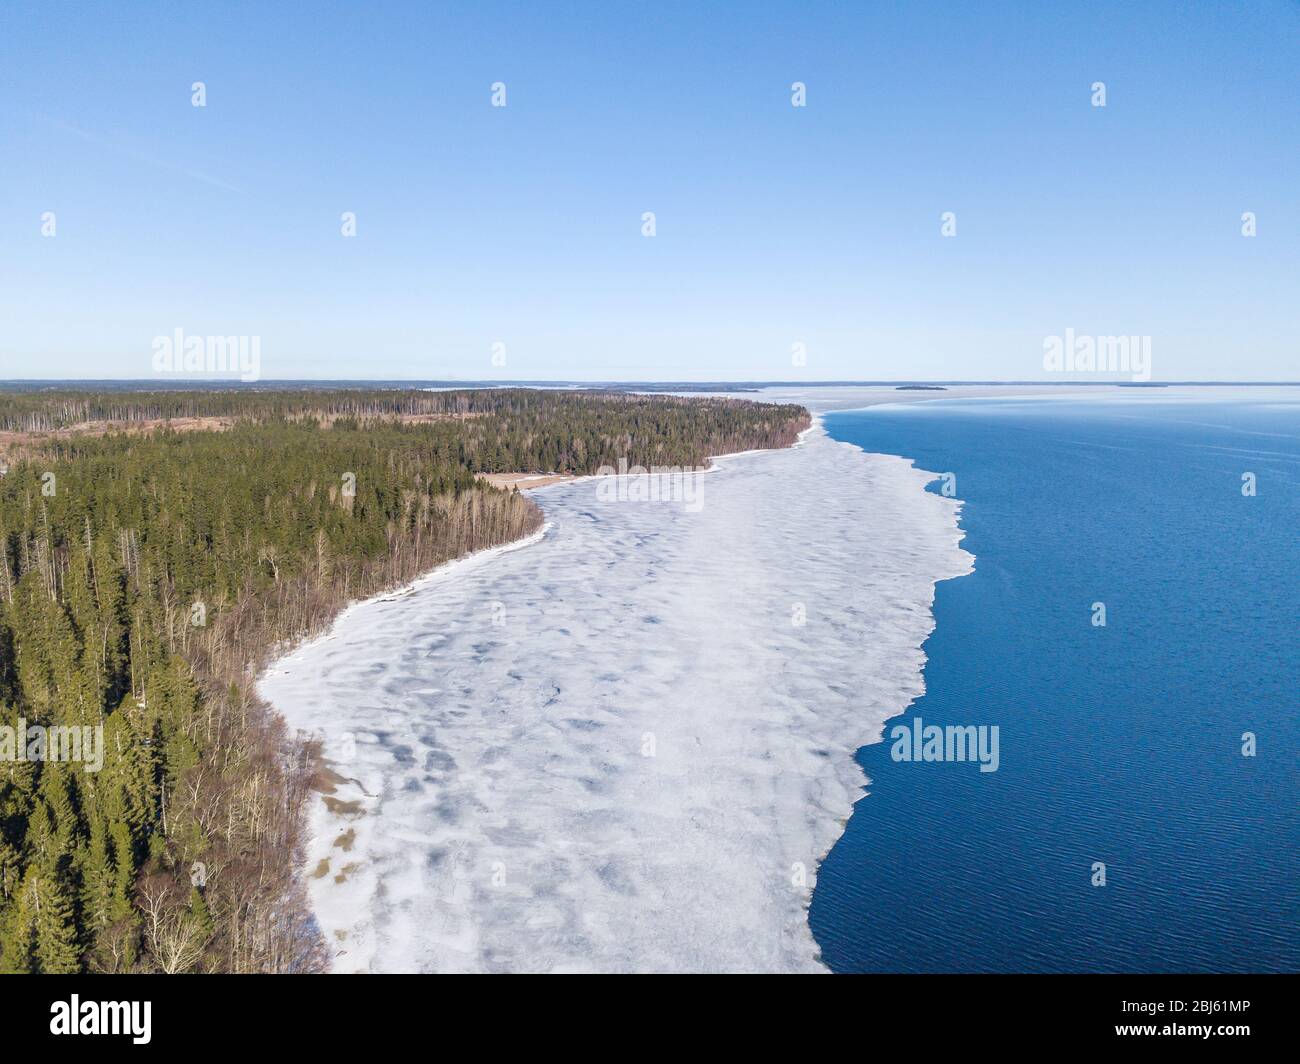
615	749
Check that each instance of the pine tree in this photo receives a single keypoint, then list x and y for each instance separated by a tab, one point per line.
202	917
57	949
18	933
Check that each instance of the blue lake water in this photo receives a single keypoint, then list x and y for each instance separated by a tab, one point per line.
1119	744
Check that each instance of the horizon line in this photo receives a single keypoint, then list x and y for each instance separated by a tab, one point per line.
181	384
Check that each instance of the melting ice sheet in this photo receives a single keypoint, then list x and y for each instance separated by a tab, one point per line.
615	748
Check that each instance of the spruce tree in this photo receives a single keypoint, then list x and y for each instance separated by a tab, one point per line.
18	932
57	949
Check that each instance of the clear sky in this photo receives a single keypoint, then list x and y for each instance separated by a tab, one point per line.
775	225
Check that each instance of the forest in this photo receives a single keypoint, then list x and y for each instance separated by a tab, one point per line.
158	549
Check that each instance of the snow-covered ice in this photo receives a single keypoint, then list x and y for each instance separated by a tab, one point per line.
615	748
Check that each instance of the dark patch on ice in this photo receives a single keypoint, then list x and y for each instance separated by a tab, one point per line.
616	879
439	761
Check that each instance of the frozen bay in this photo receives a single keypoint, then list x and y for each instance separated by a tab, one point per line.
625	745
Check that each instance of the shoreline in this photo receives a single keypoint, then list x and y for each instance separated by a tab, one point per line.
337	905
443	569
486	553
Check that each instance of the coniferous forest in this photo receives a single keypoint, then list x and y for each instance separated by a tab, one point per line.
158	548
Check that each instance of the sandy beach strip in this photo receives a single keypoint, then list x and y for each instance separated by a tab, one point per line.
523	481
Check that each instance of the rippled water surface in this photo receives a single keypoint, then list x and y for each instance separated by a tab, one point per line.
1119	744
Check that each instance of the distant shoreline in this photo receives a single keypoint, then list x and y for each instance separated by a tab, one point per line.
217	384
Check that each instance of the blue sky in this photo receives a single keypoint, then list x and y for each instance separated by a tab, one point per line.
775	225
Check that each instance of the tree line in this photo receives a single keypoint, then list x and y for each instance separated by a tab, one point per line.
145	580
